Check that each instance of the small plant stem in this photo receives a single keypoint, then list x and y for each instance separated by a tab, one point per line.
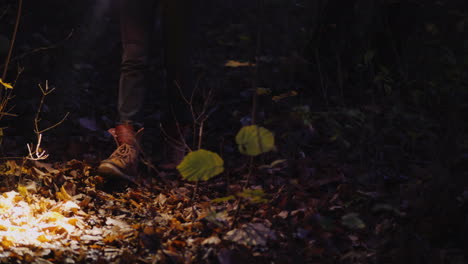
200	134
258	46
194	214
236	214
322	82
251	161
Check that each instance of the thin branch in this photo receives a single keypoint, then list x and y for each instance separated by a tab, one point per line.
7	114
55	125
53	46
37	154
4	12
13	38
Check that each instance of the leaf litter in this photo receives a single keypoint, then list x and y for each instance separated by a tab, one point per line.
62	213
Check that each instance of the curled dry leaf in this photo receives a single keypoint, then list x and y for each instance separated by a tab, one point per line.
256	234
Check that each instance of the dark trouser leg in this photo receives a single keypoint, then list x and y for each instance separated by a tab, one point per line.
136	21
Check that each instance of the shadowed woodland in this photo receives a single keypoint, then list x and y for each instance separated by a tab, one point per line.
367	101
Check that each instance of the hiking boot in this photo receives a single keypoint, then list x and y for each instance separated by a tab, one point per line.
175	145
123	162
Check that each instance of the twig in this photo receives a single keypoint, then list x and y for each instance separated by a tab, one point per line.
182	145
45	91
194	195
322	83
41	48
4	12
13	38
239	199
37	154
4	101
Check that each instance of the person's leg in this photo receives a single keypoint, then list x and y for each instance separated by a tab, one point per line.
136	18
136	21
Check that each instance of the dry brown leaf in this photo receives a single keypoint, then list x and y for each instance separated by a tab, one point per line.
235	64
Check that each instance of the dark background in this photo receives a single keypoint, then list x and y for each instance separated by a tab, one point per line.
380	94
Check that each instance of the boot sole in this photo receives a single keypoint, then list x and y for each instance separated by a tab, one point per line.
112	171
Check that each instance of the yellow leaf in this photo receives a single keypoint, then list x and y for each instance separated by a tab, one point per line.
200	165
6	85
262	91
63	195
235	64
22	190
53	217
284	95
254	140
73	221
7	242
43	239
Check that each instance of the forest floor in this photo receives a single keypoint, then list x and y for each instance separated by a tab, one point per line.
360	184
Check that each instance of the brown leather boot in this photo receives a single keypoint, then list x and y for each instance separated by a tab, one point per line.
123	162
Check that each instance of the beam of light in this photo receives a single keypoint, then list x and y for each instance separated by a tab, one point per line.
31	221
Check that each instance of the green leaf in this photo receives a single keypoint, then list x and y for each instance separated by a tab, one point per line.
223	199
352	221
200	165
255	196
254	140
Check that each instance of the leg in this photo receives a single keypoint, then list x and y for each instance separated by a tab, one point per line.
137	19
136	27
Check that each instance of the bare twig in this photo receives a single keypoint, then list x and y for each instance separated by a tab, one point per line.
4	12
13	38
38	153
45	91
4	99
53	46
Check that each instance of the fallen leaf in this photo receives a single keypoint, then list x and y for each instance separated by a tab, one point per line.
6	85
256	234
212	240
283	96
235	64
63	195
352	221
